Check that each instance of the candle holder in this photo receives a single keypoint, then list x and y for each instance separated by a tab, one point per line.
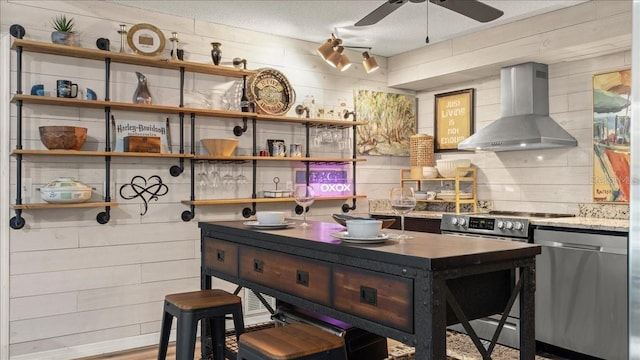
122	32
174	45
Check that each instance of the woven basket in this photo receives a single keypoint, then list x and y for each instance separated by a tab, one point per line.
421	150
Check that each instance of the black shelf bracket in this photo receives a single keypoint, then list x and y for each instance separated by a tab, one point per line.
188	215
176	170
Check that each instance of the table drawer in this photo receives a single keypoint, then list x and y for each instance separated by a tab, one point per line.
220	256
383	298
294	275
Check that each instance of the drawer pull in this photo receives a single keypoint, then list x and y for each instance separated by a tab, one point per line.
220	255
258	265
368	295
302	277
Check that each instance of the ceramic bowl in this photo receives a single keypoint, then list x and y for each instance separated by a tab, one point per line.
447	167
429	172
270	217
342	219
364	228
219	147
63	137
65	190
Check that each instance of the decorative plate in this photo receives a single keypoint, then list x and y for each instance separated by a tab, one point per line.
146	39
344	236
271	92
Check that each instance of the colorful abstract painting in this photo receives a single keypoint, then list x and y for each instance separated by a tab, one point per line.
611	136
391	122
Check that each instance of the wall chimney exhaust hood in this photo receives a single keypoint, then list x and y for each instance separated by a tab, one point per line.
524	123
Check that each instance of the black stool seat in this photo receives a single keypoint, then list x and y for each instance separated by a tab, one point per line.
191	307
296	341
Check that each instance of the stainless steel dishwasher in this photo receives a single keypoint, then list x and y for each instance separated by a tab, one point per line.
581	291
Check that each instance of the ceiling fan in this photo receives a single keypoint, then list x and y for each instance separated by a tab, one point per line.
470	8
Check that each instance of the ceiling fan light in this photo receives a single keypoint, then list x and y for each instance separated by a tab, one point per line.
334	58
327	48
344	63
369	62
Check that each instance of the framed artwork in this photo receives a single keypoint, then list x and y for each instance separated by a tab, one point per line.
392	121
611	136
454	119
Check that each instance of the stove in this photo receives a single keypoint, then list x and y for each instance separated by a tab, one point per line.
500	225
506	225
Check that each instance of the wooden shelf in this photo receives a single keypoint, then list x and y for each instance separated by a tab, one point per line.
276	158
42	206
264	200
149	108
131	59
97	153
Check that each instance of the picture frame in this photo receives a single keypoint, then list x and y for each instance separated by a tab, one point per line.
454	119
612	136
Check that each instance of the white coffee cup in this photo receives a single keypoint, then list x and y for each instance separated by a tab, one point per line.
270	217
364	228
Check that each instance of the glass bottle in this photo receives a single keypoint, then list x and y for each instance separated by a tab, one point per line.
216	53
244	100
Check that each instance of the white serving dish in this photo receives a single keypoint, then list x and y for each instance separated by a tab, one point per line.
364	229
270	217
419	195
65	190
429	172
447	167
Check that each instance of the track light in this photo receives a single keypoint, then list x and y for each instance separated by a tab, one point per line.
328	48
335	57
332	51
369	62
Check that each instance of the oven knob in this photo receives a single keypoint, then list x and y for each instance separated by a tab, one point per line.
518	226
509	225
462	222
454	221
500	224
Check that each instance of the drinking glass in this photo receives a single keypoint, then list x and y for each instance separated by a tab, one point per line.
304	196
402	201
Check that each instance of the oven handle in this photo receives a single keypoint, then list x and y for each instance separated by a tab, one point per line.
492	237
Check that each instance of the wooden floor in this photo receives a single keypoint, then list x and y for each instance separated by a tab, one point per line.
146	353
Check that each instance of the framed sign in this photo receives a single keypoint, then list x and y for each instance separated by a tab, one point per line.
454	119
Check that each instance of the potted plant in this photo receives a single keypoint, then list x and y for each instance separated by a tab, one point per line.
63	33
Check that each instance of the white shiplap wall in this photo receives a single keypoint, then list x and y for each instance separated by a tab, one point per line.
77	287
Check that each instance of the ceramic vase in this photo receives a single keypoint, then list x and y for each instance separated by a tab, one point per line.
63	38
142	94
216	53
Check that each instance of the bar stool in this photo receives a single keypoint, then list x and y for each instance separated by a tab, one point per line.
296	341
190	307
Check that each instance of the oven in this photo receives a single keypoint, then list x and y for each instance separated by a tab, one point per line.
504	226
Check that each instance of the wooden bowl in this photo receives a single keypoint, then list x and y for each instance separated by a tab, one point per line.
63	137
342	220
220	147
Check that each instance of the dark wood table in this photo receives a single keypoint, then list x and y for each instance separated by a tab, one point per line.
407	290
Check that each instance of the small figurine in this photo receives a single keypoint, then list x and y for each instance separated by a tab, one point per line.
142	94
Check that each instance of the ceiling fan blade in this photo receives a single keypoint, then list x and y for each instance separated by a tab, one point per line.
381	12
471	8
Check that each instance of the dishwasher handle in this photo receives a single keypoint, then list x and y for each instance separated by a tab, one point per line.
611	244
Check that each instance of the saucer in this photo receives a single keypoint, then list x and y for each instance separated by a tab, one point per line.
257	225
344	236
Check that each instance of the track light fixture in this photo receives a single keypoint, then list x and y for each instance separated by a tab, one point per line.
332	51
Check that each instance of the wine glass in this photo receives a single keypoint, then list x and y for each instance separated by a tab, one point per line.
402	201
304	196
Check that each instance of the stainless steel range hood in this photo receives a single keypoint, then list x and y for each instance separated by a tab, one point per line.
524	123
